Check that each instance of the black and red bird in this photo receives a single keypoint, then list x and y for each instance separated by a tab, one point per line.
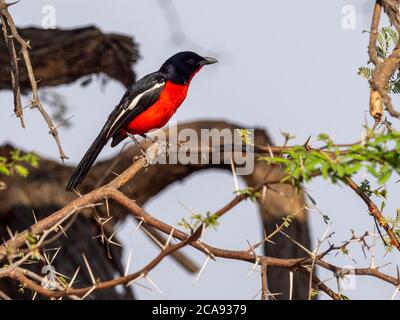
148	104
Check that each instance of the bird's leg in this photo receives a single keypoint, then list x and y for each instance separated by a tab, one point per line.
154	142
162	144
147	137
137	143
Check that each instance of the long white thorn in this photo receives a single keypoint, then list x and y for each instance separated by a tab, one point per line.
202	269
89	269
290	285
169	239
264	194
154	285
107	208
89	292
255	296
34	216
311	254
153	238
73	278
396	291
129	263
235	180
137	227
256	263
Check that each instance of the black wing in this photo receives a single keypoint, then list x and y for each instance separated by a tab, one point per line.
137	99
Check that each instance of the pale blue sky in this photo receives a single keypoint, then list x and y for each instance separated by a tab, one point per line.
284	65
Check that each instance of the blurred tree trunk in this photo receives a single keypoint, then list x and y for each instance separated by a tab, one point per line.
43	191
63	56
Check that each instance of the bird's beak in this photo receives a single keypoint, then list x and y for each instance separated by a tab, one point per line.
208	60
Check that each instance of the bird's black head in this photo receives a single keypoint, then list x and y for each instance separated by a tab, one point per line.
181	67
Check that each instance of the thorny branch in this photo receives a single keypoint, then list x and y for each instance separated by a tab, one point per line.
373	209
383	70
279	150
11	37
12	249
22	276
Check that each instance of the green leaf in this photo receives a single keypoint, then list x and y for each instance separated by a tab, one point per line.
352	169
385	177
365	72
372	171
324	171
21	170
4	170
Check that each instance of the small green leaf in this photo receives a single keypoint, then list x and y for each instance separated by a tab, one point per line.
21	170
4	170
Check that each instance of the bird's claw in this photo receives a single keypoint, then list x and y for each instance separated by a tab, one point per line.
153	153
156	151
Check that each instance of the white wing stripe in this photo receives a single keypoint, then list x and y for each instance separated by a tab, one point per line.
137	98
135	102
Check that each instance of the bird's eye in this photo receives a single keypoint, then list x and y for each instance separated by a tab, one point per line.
191	61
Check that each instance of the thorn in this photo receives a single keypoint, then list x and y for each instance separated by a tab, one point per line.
311	254
73	278
306	144
169	238
203	230
290	285
209	253
110	241
89	270
134	280
187	208
251	249
153	238
55	254
154	285
143	286
255	296
271	154
264	193
257	262
202	269
77	192
63	122
12	236
107	208
137	227
129	263
63	231
235	180
102	221
34	216
396	291
89	292
372	251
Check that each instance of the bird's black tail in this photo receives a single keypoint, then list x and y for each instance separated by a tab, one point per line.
87	161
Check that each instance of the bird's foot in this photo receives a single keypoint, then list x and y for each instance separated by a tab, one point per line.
157	152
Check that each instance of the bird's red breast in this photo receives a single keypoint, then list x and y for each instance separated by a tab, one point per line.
159	113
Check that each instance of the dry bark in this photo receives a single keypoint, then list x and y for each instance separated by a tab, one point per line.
392	9
63	56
